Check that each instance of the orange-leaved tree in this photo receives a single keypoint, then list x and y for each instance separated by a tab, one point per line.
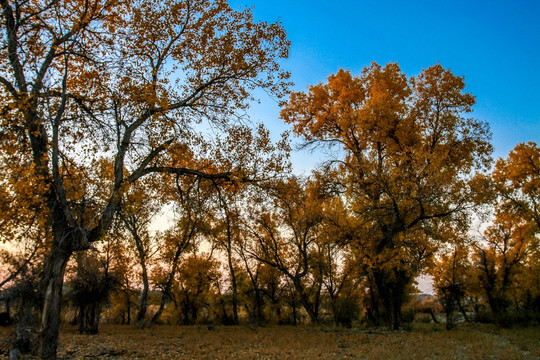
507	260
501	256
285	232
409	154
125	80
517	182
452	279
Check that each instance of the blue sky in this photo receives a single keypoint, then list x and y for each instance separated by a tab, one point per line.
494	44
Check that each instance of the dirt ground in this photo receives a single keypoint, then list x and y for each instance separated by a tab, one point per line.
425	341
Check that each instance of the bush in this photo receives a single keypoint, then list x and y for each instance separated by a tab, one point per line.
509	319
423	318
407	318
346	310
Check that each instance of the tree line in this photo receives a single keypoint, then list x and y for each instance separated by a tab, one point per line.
115	113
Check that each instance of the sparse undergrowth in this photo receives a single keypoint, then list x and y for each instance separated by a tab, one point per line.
424	341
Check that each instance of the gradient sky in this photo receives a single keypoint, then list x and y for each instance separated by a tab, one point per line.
494	44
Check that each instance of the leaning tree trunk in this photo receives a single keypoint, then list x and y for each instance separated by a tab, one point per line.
53	281
157	315
463	312
166	293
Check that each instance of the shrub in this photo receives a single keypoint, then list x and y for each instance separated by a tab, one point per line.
508	319
346	310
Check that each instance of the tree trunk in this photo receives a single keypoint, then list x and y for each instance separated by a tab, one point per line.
128	305
433	317
158	313
463	312
89	318
131	224
25	323
229	256
278	313
382	296
293	305
372	312
53	276
449	310
390	291
233	283
225	320
143	301
259	314
166	293
397	315
304	299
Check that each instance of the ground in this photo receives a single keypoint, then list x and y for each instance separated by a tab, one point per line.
424	341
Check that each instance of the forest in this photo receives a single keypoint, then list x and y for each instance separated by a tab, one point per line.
135	191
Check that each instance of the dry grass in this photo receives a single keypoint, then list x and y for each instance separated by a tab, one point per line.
286	342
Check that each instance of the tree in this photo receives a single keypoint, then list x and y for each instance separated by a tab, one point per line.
507	246
125	81
409	155
136	214
192	199
197	276
506	257
286	236
517	181
22	261
224	239
123	263
452	275
91	286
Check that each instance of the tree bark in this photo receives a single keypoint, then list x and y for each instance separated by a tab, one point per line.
304	299
166	293
89	318
55	268
463	312
143	300
131	224
433	317
233	283
293	305
128	308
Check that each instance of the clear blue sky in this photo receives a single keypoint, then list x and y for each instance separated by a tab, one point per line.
494	44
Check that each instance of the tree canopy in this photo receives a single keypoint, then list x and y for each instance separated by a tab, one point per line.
120	87
114	111
410	156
